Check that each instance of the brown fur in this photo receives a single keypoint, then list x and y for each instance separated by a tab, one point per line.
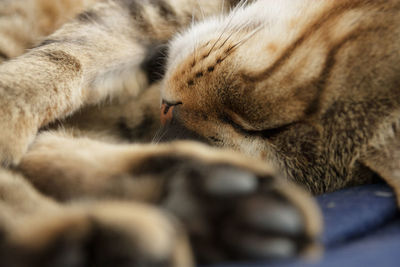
311	110
312	100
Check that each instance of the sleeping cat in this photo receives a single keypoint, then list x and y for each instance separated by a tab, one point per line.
297	97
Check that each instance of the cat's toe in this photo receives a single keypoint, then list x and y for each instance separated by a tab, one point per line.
242	215
115	234
265	228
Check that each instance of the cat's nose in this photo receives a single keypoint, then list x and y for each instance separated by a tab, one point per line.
166	113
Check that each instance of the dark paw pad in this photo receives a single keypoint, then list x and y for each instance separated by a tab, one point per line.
242	215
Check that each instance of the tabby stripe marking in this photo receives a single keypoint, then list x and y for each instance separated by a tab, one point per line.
77	41
63	59
322	20
88	16
166	11
134	8
3	56
330	62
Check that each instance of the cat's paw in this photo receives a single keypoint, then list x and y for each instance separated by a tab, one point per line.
247	215
234	208
112	234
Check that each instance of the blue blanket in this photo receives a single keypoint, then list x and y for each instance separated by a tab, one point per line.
362	229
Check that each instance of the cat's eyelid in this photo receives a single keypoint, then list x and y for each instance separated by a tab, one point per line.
171	103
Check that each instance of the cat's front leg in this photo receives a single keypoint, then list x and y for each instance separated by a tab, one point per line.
62	74
85	61
34	90
233	207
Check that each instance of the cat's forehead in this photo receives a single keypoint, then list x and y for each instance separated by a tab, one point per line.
246	17
213	28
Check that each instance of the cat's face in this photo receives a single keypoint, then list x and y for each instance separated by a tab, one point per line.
228	92
306	91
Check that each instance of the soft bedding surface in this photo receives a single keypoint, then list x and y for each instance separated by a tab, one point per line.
362	229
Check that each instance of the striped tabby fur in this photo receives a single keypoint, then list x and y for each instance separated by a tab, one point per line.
299	97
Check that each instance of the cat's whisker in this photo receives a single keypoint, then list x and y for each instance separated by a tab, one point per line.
162	136
234	29
157	134
193	19
247	37
227	39
215	43
243	3
201	9
222	33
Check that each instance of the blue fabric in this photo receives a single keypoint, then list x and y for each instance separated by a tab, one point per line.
362	229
